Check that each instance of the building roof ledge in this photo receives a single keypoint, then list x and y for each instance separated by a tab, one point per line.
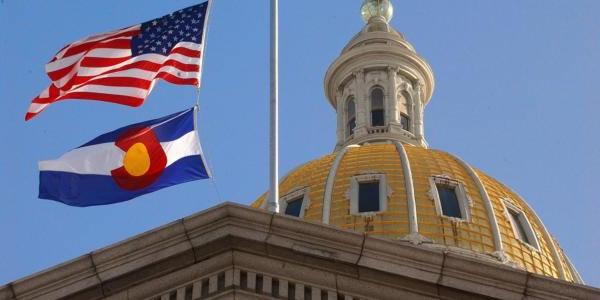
234	227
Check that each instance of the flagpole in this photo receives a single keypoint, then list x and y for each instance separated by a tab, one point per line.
272	201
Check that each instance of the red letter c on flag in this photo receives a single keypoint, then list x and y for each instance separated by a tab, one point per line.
144	159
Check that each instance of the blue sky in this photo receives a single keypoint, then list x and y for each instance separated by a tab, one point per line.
517	96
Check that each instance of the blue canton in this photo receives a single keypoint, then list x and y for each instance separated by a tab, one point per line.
161	35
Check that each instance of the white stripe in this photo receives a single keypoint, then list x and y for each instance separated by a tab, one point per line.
63	62
178	73
184	146
101	159
35	108
189	45
45	93
108	53
115	90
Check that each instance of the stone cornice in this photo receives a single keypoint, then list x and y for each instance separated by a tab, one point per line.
230	227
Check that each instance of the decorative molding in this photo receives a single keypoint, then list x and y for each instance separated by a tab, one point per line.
487	203
328	194
410	189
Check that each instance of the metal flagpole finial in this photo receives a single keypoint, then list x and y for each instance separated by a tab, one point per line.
273	199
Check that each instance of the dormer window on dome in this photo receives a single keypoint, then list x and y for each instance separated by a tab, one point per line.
295	203
450	198
368	194
520	225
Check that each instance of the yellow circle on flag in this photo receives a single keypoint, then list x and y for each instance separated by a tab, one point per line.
137	160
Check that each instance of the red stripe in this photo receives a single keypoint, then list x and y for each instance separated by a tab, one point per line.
121	82
186	51
181	66
112	98
102	62
176	80
58	74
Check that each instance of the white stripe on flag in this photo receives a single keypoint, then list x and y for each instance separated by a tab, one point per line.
102	158
115	90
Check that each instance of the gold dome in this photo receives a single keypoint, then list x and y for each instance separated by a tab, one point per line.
327	182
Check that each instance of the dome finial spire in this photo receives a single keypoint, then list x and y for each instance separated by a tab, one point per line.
381	10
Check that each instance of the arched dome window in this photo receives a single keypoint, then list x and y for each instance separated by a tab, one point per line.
404	108
350	116
377	109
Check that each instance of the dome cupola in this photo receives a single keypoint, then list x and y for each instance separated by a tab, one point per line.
379	86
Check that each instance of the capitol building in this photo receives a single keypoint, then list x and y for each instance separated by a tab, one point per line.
381	217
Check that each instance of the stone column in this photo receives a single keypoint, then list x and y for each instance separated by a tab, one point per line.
418	111
392	97
341	116
361	104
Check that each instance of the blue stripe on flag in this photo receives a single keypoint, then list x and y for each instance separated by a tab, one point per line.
88	190
175	126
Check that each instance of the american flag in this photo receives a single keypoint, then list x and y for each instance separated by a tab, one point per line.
122	66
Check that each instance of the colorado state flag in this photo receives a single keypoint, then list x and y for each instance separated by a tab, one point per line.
126	163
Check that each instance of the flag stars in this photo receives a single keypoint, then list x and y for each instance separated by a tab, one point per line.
159	36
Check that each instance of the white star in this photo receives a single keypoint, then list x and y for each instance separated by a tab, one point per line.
194	38
195	29
158	42
170	31
152	35
169	44
164	50
187	27
181	32
153	48
154	23
164	37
